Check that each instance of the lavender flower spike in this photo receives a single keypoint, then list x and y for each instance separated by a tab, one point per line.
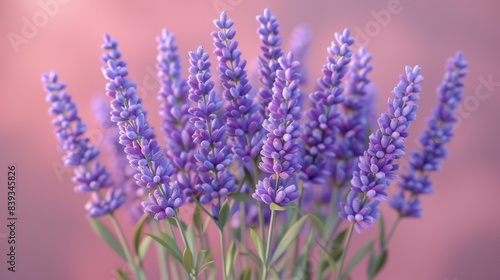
377	165
143	151
360	213
433	141
280	150
121	172
93	179
243	119
175	104
301	38
214	156
271	50
323	117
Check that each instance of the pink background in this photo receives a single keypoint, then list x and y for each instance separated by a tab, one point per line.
459	236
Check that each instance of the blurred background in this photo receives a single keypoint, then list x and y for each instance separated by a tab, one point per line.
457	238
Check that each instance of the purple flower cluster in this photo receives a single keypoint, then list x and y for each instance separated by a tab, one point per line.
271	51
299	45
143	152
121	172
214	156
433	140
177	128
323	117
377	164
243	119
93	179
281	147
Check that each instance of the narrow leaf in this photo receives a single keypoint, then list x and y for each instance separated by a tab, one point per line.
191	237
121	275
205	266
144	247
200	258
357	258
288	238
380	262
246	274
381	227
257	243
337	246
138	233
198	223
242	197
231	256
174	250
103	231
187	260
224	215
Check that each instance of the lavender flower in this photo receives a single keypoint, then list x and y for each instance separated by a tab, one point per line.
356	105
271	51
433	140
70	132
406	208
377	164
214	156
299	44
280	150
175	104
121	172
323	117
356	211
243	120
143	151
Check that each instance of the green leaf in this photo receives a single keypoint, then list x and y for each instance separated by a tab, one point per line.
138	233
288	238
276	207
144	247
379	263
197	222
171	248
187	260
318	224
381	227
191	237
257	243
231	257
200	258
337	246
246	274
205	266
357	258
103	231
121	275
242	197
224	215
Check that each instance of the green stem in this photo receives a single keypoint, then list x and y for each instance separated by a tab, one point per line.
223	253
391	233
126	248
344	252
162	254
295	218
184	239
244	232
268	246
174	264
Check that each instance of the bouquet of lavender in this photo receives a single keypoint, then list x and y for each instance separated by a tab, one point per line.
275	173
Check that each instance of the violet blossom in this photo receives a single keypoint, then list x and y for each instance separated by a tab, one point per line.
92	178
153	170
377	165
